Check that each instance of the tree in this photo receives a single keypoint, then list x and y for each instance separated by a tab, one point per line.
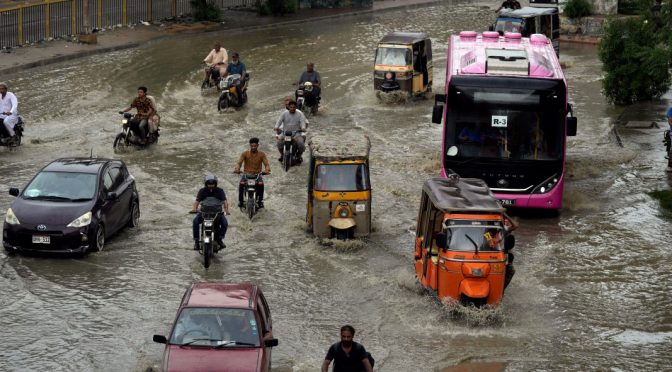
636	57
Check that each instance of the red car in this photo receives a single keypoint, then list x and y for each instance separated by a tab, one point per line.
220	327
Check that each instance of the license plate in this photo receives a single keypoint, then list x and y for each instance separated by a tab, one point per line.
508	202
41	239
251	182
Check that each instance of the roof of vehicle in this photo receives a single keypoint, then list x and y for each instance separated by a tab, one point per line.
456	194
233	295
78	165
348	145
403	38
527	11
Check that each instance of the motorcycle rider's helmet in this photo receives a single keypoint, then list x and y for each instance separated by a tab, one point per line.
210	179
308	86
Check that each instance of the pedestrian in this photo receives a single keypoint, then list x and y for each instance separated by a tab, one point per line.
348	355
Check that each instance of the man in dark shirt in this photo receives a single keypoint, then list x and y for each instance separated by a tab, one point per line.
145	110
210	191
348	355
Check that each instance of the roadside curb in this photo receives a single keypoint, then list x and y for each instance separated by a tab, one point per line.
270	25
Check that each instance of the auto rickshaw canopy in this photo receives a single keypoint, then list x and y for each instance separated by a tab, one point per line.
455	194
527	12
404	38
345	146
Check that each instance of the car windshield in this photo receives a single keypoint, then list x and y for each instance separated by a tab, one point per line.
61	185
342	177
394	56
216	327
467	235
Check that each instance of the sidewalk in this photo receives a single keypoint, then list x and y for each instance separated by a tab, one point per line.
54	51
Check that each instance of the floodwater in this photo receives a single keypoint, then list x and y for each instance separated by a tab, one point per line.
592	284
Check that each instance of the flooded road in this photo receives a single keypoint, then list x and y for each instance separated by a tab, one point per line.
592	285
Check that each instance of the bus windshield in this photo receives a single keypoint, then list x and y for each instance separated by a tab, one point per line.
394	56
512	124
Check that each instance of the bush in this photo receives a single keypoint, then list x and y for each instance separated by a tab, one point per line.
577	8
635	60
281	7
633	6
203	10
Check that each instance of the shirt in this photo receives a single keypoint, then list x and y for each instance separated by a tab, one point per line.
668	114
9	103
343	362
206	192
238	68
217	57
313	77
253	162
291	122
143	105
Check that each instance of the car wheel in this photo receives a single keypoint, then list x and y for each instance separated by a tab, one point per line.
134	221
98	242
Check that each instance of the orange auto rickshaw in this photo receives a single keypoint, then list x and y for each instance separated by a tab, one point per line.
463	242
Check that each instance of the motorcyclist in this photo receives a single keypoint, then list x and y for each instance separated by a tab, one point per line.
210	190
9	115
252	160
312	76
236	66
216	62
145	110
287	100
293	121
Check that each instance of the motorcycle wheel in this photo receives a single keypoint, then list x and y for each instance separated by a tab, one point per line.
287	160
207	254
250	208
223	103
120	143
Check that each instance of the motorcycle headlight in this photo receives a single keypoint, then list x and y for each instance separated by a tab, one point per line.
10	217
81	221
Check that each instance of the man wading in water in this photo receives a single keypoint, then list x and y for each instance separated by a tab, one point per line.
348	355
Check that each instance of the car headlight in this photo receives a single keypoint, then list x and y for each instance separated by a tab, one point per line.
81	221
10	217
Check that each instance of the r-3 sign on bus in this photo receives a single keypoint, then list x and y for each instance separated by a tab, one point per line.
506	116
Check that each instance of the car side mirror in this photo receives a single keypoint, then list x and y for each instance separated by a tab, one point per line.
571	126
13	191
509	242
111	196
161	339
270	343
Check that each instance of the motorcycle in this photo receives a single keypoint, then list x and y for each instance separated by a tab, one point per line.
289	153
128	137
213	79
229	94
306	101
250	182
15	141
211	209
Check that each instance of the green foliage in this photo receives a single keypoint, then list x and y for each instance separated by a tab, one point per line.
665	198
577	8
281	7
203	10
634	6
636	60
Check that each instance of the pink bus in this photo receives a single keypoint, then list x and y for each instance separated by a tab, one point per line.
505	113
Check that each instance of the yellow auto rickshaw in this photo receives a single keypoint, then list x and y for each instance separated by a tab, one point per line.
403	62
339	189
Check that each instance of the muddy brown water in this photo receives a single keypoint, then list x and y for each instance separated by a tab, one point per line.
592	284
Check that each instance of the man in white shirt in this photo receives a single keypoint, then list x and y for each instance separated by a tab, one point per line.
216	61
291	120
9	110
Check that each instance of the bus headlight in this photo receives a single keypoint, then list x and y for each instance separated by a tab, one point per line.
547	185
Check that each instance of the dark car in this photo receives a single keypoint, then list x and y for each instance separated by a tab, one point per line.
71	206
220	327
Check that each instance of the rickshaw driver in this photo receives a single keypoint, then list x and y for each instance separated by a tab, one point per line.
294	122
252	160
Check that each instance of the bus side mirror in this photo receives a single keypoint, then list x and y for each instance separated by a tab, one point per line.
571	126
491	28
509	242
437	111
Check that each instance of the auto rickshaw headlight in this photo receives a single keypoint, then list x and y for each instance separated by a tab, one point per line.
389	75
477	272
343	213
